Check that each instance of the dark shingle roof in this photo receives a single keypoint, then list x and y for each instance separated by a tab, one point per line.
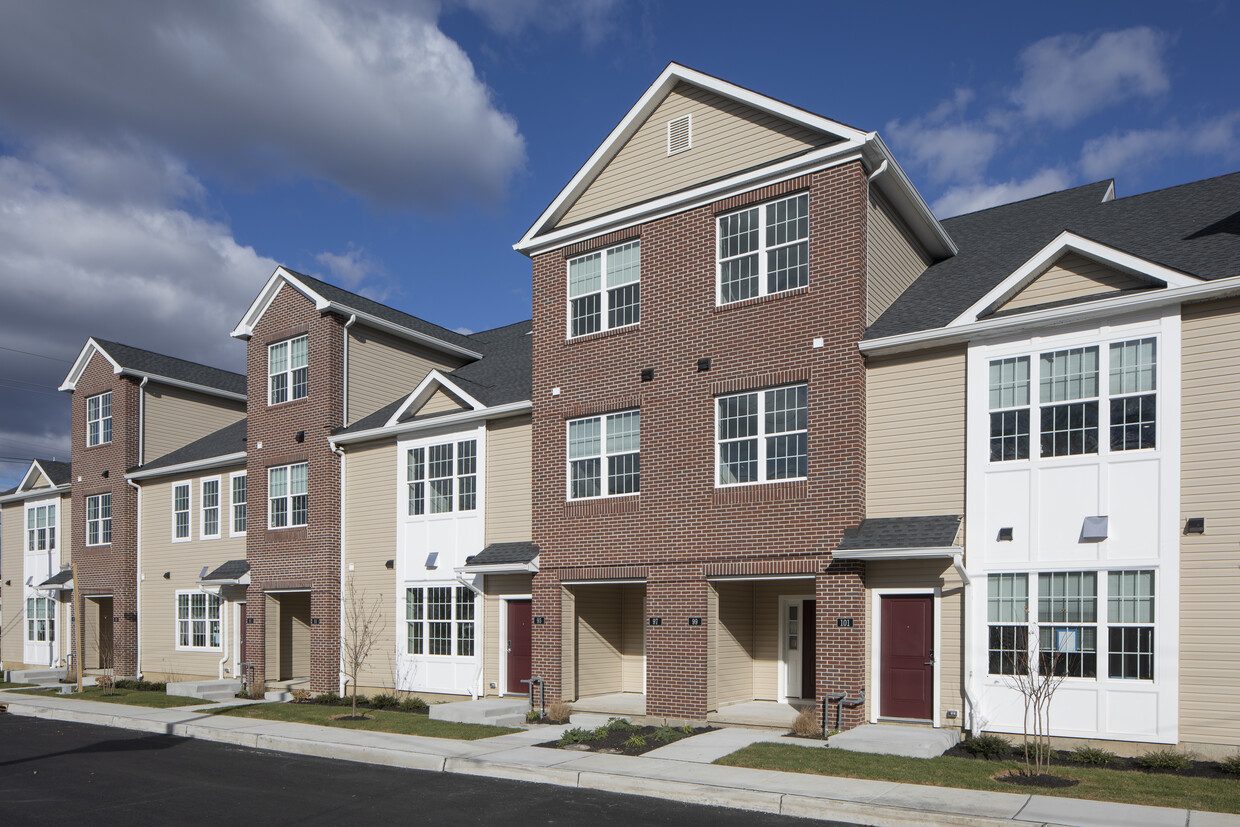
1193	228
145	361
902	532
60	473
60	578
503	553
227	440
232	570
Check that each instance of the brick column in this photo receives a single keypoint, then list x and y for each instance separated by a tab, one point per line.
840	591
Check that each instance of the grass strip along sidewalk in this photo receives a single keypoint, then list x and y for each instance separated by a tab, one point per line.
380	720
135	697
1123	786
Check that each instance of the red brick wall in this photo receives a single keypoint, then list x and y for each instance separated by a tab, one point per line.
681	524
307	557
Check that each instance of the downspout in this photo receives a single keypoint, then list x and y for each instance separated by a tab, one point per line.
969	696
142	420
475	686
879	171
137	589
345	403
339	452
219	592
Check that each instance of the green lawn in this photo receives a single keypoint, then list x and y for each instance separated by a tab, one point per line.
402	723
7	685
133	697
1155	789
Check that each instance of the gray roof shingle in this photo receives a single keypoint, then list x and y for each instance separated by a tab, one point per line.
231	570
145	361
60	473
60	578
498	554
902	533
227	440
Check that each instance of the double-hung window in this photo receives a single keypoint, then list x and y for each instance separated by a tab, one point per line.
288	373
180	511
763	436
198	620
1069	396
439	620
40	620
1068	623
99	419
1007	615
286	496
210	500
442	478
604	289
99	520
1133	398
1130	625
41	527
1009	409
764	249
237	503
604	455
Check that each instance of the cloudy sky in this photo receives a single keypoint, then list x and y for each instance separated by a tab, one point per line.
157	161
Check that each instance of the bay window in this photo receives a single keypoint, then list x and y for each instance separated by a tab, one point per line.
41	527
442	478
439	620
40	620
198	620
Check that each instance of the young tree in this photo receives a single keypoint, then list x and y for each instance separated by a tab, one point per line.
362	624
1039	672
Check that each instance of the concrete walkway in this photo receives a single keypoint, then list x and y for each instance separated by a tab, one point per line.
677	772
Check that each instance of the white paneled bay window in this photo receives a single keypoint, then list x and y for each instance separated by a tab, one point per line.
442	478
604	289
439	620
41	527
762	436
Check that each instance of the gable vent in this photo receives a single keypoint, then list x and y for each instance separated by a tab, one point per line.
679	134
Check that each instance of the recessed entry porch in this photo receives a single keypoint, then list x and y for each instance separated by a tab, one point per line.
605	647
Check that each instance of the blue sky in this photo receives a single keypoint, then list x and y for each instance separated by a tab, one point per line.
157	162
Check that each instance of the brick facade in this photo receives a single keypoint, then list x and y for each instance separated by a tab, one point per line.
681	527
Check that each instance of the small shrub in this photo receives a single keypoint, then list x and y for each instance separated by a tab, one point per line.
635	742
301	696
414	705
988	746
1037	751
666	734
618	725
559	712
362	700
1231	764
327	699
1164	759
806	724
687	729
1091	755
384	701
576	735
532	717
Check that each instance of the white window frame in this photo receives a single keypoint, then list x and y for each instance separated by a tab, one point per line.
604	456
456	622
189	620
48	619
762	250
761	436
233	504
51	527
99	523
604	290
288	497
203	508
99	423
412	481
288	372
188	511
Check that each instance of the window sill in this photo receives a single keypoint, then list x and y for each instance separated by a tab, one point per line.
292	534
601	506
769	297
602	334
289	402
99	445
764	492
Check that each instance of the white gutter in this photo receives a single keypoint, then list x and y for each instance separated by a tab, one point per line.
142	420
500	568
970	696
464	417
18	496
195	465
137	594
345	403
399	330
897	553
1052	317
881	169
177	383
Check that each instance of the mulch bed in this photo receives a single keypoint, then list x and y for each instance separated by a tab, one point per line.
614	742
1044	780
1061	758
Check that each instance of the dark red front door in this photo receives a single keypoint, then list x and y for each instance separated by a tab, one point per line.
519	627
907	666
241	643
809	629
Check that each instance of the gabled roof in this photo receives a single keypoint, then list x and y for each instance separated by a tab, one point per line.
328	297
1192	230
133	361
58	473
223	447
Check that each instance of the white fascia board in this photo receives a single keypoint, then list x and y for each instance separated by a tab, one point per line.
447	420
898	553
645	106
243	580
899	190
79	365
400	331
425	390
178	383
1044	259
1052	317
221	461
28	476
38	493
245	327
500	568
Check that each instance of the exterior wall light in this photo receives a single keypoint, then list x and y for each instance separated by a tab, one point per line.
1195	525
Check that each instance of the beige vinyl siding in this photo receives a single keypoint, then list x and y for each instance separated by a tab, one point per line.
508	480
440	402
1072	277
1210	488
927	574
294	635
382	368
734	642
915	434
493	647
174	418
39	481
610	641
633	634
184	563
728	137
12	620
568	644
371	508
893	257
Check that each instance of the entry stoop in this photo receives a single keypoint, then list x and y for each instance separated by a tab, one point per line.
38	677
225	690
893	739
493	711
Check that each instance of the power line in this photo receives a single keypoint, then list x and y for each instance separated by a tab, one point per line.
39	355
30	390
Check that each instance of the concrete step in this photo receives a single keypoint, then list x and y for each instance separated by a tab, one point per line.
206	690
38	677
278	695
483	711
896	739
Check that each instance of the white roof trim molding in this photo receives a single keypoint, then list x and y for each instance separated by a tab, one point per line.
1069	242
29	478
92	347
79	365
430	383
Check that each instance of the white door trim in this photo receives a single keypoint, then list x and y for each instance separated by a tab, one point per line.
786	600
501	644
876	639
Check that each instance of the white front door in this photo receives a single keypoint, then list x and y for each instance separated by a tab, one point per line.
791	640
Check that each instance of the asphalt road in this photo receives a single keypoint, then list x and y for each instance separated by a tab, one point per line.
51	771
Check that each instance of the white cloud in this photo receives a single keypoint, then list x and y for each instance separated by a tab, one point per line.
512	17
1130	152
947	146
973	197
370	96
1068	77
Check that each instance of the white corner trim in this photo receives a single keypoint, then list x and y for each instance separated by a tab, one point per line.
426	389
1067	242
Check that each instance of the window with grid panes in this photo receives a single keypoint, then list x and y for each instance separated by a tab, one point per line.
1130	625
287	497
439	620
604	289
1132	394
40	620
442	478
1069	397
180	511
1007	613
763	436
99	520
198	620
210	499
763	249
1067	623
99	419
237	503
1009	409
288	371
41	527
604	455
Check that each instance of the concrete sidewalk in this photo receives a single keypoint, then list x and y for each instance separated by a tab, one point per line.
679	771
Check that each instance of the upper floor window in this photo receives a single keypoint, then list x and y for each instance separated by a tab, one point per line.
1069	396
99	419
180	511
288	374
764	249
604	455
210	499
1009	409
442	478
99	520
1133	397
604	289
41	527
287	503
237	503
763	436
